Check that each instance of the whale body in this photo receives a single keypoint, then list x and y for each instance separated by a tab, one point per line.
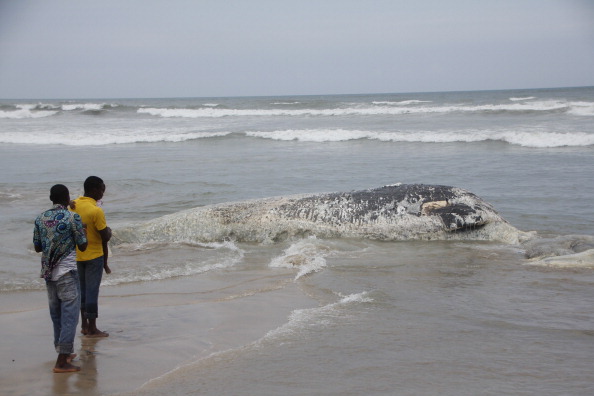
393	212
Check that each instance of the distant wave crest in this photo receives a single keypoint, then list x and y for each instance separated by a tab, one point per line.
582	109
26	111
40	110
103	138
520	99
532	138
86	106
285	109
380	108
401	103
525	138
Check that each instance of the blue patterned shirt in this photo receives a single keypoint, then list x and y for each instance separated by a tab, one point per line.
57	232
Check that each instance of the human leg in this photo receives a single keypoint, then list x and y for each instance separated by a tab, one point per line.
93	275
54	309
82	276
68	295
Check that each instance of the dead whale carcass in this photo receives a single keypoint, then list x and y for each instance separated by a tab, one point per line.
393	212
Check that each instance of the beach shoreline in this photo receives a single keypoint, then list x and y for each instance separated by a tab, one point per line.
153	330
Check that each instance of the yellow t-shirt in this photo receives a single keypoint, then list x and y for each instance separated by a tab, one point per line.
94	218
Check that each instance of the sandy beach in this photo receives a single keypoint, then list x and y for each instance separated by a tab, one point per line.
154	328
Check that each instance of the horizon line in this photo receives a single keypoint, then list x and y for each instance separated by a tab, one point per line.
297	95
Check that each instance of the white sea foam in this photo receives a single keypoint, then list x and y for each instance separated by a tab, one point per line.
41	110
395	108
356	298
83	106
400	103
100	138
308	255
546	139
526	138
520	99
314	135
230	255
6	196
16	284
186	269
582	109
46	106
26	111
317	317
227	255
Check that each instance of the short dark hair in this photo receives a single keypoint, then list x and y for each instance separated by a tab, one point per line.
59	193
93	182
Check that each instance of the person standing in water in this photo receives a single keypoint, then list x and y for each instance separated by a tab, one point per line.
92	261
57	233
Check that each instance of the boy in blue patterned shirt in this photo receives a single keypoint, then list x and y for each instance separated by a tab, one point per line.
56	234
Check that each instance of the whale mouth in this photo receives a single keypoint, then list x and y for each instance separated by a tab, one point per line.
457	217
467	228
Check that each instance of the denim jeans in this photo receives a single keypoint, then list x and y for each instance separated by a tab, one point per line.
90	273
64	304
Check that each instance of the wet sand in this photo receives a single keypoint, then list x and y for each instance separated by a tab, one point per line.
154	328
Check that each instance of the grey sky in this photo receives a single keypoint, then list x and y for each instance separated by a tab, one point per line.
174	48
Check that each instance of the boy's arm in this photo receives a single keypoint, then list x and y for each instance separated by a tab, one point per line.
105	237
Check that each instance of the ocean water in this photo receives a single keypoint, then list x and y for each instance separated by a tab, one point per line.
358	316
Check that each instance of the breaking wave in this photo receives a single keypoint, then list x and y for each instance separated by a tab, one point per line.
41	110
380	108
101	138
401	103
26	111
525	138
520	99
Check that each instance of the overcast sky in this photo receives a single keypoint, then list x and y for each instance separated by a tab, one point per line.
175	48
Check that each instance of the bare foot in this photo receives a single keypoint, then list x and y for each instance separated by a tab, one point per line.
97	334
66	368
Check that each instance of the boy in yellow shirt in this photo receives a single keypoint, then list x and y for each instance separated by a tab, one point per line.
93	260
